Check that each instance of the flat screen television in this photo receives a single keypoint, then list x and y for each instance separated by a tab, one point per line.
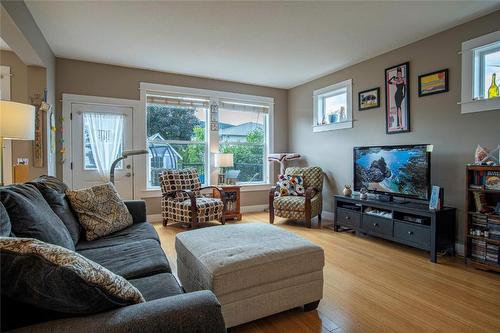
401	171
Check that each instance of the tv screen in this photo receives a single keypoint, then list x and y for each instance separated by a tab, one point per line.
397	170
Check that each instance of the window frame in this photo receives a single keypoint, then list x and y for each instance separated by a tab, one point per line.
472	74
140	178
319	97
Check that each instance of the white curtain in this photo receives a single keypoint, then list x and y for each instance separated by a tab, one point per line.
105	132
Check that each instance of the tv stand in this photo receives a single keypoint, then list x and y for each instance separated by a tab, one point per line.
411	224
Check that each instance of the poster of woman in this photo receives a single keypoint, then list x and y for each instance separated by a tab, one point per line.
397	104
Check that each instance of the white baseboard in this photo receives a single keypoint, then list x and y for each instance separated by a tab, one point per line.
154	218
327	215
459	249
254	208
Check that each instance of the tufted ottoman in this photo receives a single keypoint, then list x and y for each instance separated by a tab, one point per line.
255	269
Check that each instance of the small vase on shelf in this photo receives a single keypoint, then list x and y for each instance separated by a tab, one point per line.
493	90
347	190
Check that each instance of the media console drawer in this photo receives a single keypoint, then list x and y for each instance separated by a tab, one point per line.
412	234
377	225
348	218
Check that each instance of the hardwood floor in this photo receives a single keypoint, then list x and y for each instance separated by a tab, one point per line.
372	285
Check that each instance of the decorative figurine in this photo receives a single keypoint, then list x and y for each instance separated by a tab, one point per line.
347	190
363	194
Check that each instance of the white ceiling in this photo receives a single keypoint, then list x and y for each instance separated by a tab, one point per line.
279	44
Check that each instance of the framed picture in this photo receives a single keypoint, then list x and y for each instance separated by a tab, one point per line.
397	99
369	99
433	83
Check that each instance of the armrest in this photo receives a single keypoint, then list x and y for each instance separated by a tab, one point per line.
137	209
311	192
198	311
222	194
192	198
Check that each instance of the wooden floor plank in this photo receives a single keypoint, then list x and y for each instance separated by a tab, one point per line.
373	285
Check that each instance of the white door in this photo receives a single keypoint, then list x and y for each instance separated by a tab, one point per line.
99	134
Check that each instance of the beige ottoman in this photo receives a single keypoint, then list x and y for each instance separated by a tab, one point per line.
255	269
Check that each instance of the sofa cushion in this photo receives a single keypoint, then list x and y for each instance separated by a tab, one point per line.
32	217
57	279
157	286
131	260
136	232
100	210
53	191
5	226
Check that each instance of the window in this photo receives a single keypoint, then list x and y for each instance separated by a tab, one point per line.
333	107
176	135
480	73
185	127
243	132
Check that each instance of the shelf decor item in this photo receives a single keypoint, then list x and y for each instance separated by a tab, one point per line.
397	99
369	99
347	191
433	83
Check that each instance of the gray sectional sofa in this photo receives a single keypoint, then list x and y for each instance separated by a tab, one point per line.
134	253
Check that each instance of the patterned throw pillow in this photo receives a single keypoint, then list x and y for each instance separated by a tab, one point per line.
100	210
57	279
290	185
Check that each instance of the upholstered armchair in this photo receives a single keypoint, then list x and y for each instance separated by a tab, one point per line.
303	207
182	201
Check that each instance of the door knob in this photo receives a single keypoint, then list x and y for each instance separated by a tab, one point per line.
128	174
128	166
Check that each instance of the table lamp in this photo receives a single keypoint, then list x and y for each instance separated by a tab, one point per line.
17	122
222	161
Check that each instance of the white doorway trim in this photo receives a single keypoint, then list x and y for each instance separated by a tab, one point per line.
67	100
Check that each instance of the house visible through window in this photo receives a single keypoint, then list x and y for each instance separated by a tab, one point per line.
243	133
181	128
176	135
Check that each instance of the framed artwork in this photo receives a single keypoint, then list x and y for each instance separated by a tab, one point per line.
433	83
397	99
369	99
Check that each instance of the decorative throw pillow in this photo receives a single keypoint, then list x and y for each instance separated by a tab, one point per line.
57	279
53	191
290	185
31	216
100	210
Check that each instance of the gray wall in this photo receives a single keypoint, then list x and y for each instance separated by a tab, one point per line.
434	119
87	78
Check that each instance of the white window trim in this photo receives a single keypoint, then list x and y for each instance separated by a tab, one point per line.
320	93
140	180
468	104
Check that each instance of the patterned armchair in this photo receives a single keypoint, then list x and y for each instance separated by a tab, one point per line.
182	201
300	207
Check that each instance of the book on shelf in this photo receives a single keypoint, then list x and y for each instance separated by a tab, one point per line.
492	180
492	253
478	249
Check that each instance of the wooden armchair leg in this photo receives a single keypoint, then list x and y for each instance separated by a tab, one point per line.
165	222
319	220
271	216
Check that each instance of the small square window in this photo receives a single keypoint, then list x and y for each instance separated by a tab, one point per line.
332	107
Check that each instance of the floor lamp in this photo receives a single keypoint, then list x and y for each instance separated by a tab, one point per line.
124	155
17	122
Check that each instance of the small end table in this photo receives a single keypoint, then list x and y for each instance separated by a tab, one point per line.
232	201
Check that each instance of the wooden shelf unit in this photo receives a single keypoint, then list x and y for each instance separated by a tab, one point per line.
492	197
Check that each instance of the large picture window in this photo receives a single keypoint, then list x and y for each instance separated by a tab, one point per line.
243	132
176	135
186	127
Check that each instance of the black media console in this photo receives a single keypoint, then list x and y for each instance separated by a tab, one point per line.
405	222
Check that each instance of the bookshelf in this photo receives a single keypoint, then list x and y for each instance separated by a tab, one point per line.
482	228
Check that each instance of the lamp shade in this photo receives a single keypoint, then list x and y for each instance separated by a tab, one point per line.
17	121
223	160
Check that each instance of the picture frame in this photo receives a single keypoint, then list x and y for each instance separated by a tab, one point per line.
369	99
433	83
397	98
436	200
